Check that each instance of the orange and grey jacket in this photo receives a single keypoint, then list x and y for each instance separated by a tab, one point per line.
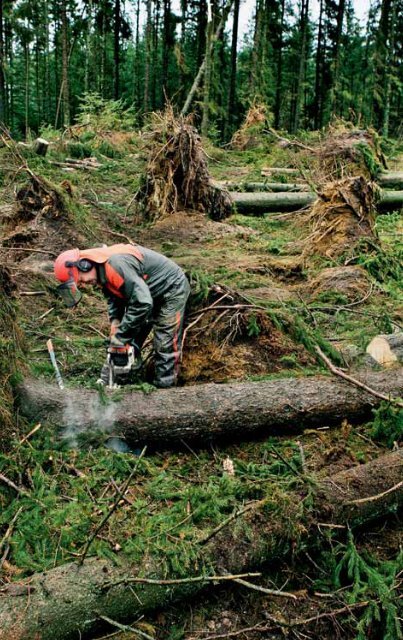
133	279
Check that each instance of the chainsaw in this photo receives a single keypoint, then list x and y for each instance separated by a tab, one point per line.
120	362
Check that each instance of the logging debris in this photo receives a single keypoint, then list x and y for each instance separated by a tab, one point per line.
340	218
177	175
271	530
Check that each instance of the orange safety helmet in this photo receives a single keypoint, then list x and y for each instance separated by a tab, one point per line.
66	268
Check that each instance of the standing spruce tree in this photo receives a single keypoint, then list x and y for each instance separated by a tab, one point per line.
299	82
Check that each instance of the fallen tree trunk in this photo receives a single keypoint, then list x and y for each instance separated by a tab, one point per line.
261	203
388	180
63	603
271	187
208	411
391	179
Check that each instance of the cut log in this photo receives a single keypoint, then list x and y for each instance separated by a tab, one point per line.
68	601
273	187
388	179
40	146
261	203
391	180
387	349
287	171
390	200
208	411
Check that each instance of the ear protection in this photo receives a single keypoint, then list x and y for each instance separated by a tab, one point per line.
82	265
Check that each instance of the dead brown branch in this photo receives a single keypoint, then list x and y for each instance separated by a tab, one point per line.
354	381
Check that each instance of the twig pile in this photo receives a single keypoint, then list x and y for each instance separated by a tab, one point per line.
177	175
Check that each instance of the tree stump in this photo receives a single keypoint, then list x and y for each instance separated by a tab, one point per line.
386	350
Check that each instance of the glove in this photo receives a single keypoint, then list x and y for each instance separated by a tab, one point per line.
114	327
115	343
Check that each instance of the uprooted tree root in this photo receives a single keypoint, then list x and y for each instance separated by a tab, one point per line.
342	216
177	175
228	337
344	151
42	198
249	136
349	151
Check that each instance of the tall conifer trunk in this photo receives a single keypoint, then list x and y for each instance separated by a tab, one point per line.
65	67
318	102
299	90
2	65
389	72
165	47
182	74
279	73
381	54
336	61
207	73
47	103
27	72
136	65
232	80
9	56
147	67
116	49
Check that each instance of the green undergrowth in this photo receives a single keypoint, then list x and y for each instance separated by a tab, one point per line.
173	502
387	426
369	585
11	356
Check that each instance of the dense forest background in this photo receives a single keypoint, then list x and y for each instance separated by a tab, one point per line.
55	53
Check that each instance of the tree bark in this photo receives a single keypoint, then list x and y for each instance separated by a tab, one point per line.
63	603
232	80
380	58
2	74
65	68
336	61
116	49
261	203
299	92
390	180
202	68
274	187
205	411
147	62
279	70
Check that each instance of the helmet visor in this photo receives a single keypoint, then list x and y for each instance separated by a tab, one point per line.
69	293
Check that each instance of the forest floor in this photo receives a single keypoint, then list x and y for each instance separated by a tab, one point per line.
180	495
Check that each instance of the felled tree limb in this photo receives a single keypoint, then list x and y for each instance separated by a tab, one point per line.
68	601
209	411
